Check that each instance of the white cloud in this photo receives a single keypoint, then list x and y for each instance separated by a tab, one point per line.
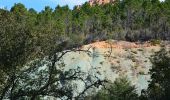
69	2
2	7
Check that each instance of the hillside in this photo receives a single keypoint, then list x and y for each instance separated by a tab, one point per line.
59	51
112	59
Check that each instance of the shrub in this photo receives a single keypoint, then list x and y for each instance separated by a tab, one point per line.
121	89
135	52
142	73
155	42
140	49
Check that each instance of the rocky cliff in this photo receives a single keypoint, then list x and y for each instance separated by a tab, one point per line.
112	59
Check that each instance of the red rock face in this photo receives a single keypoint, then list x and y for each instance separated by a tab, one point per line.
93	2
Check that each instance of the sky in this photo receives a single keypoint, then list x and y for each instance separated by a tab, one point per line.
39	5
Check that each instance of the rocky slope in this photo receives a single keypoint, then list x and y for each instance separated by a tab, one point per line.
112	59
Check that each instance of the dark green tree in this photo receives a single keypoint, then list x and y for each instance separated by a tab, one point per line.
121	89
159	87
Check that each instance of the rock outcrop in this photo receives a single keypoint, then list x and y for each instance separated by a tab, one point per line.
102	60
99	2
112	59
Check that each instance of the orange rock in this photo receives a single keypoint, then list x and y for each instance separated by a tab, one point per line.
118	45
99	2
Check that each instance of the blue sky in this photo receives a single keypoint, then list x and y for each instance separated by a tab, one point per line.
40	4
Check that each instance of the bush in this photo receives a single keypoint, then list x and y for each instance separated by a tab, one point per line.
155	42
121	89
159	86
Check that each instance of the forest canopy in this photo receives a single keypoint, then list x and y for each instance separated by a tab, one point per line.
131	20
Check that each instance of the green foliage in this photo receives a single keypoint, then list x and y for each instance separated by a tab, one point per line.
159	87
121	89
155	42
26	35
16	43
126	19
